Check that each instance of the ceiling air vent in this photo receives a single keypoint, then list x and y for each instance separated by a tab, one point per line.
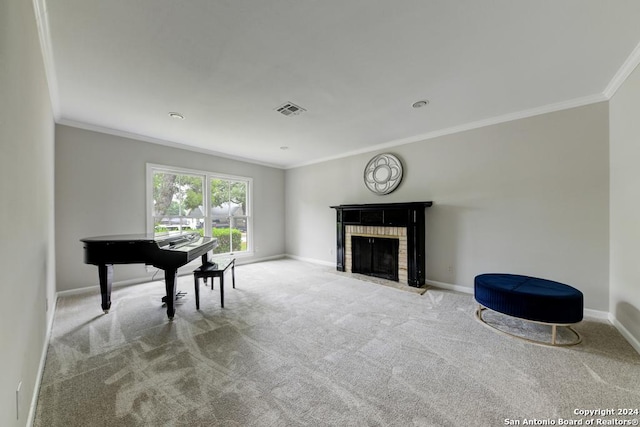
290	109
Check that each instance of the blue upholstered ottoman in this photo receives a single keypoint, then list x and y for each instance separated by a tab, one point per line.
530	298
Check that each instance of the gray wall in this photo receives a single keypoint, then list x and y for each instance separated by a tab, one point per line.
100	190
624	304
27	262
529	196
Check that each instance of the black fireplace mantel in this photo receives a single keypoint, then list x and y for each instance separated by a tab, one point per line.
410	215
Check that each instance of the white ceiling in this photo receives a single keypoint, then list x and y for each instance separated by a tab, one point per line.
356	66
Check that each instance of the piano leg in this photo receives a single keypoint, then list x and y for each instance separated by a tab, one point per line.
105	274
170	285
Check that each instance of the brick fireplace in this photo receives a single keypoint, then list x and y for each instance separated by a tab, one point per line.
373	233
379	222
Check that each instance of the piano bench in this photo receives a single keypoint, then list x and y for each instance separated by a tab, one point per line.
213	270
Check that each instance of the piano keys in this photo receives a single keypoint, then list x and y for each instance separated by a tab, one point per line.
168	253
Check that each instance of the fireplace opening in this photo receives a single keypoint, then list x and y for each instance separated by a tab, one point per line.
375	256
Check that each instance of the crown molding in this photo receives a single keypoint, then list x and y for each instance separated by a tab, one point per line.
42	22
565	105
623	73
152	140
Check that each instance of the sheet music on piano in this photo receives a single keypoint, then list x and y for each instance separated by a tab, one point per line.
166	252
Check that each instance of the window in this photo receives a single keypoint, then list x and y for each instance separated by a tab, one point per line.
177	201
215	205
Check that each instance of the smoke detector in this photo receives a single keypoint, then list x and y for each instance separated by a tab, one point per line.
290	109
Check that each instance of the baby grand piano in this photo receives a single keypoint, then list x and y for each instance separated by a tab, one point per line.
167	252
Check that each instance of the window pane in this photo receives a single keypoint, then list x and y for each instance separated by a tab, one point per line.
228	214
220	197
239	233
238	203
177	202
168	224
238	195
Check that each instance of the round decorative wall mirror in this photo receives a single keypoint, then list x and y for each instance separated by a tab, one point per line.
383	173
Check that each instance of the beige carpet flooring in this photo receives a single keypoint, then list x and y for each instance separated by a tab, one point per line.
298	345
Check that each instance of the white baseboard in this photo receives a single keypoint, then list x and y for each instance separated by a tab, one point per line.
312	260
596	314
241	261
43	360
450	287
96	287
635	343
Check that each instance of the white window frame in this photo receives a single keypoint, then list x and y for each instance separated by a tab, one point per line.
208	217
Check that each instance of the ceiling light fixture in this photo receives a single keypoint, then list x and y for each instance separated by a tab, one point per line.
284	147
174	115
420	104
